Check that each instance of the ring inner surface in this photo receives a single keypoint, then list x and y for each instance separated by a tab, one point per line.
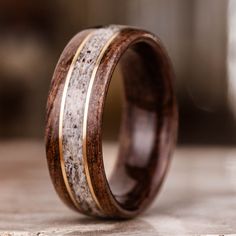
139	168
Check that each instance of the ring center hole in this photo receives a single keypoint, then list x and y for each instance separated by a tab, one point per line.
112	121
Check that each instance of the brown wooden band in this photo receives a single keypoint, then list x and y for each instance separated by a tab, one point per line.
74	121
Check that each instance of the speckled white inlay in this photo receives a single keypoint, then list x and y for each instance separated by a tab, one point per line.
72	125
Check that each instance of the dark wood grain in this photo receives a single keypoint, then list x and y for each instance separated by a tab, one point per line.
149	124
52	116
150	103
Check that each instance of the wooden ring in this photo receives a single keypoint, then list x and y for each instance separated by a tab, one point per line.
74	121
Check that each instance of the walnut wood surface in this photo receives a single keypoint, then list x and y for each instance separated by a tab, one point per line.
148	129
148	87
52	116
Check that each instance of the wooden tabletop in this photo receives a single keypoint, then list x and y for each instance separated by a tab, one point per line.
198	197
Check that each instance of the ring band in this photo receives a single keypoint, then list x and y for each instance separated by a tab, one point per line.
74	121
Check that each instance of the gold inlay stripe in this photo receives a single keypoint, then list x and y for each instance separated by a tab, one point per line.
89	91
84	135
63	100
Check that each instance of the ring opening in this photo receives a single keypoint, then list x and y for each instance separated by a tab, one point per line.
146	112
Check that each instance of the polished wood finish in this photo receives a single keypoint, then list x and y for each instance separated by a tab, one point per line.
148	130
149	106
52	116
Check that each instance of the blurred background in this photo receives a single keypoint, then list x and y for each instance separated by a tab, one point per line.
200	37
